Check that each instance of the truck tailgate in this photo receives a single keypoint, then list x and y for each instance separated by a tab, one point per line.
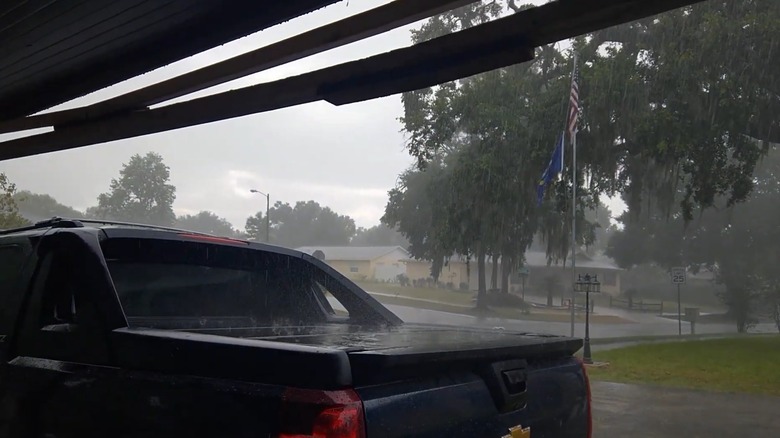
426	381
436	381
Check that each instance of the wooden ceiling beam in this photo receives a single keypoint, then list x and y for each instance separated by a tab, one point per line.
360	26
502	42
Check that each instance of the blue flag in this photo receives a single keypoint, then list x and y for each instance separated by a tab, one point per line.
553	169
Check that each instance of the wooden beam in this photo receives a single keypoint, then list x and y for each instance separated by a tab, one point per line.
364	25
502	42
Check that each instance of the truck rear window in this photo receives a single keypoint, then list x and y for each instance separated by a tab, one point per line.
188	285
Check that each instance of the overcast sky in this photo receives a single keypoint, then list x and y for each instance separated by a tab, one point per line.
344	157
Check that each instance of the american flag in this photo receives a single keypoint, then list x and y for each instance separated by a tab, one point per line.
574	105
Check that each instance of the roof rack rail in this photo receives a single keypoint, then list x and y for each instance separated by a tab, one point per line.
55	222
135	225
58	222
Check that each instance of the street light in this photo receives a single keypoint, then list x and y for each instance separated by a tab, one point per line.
587	283
267	209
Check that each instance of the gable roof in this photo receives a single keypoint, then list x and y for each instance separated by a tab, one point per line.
539	259
358	253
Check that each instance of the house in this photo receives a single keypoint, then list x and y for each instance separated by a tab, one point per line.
539	276
367	263
454	272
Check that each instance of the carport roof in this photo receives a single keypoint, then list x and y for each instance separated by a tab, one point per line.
57	50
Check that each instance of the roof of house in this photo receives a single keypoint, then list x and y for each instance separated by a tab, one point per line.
360	253
539	259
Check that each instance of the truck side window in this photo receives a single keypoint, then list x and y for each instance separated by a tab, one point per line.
61	322
12	258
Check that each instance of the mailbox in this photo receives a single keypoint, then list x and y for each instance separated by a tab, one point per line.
692	314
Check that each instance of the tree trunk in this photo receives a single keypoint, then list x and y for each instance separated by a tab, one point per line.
505	271
481	286
550	283
494	273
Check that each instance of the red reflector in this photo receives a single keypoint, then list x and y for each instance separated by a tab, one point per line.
321	414
587	389
212	239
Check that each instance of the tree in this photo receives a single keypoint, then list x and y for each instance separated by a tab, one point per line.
255	227
142	193
674	104
305	224
737	242
493	135
671	118
379	235
206	222
9	212
43	206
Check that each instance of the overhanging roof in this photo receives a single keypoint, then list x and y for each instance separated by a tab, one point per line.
57	50
499	43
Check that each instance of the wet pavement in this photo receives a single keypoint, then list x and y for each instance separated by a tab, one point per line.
643	325
623	410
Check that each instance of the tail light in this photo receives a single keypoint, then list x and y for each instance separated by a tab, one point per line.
587	389
321	414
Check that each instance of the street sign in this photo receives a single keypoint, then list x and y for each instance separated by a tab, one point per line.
678	275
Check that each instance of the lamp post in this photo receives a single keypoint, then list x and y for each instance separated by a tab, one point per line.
267	218
587	283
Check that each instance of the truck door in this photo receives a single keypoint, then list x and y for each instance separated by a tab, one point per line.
59	364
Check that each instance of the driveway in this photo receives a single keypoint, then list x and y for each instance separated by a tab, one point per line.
622	410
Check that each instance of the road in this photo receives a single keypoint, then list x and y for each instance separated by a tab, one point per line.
643	325
622	410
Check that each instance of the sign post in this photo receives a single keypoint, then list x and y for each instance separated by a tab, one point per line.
524	272
678	278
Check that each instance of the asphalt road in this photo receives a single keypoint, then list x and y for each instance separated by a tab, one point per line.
644	324
622	410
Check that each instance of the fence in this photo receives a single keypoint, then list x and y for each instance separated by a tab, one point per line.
639	305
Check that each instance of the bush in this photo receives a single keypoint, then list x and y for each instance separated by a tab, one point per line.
499	299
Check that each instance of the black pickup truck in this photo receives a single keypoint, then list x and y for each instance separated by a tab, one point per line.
119	330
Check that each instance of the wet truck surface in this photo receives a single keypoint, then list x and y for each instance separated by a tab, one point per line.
130	331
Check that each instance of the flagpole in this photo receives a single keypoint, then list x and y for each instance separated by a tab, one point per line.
573	224
573	206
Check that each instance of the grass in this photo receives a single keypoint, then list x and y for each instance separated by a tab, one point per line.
741	364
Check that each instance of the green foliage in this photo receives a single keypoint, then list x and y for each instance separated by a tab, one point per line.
674	104
206	222
44	206
379	235
482	144
677	111
9	212
305	224
256	227
737	242
142	193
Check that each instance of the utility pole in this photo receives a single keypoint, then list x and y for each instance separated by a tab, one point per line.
267	210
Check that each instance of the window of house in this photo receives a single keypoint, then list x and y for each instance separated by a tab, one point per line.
353	269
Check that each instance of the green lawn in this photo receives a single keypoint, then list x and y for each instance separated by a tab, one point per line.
744	364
